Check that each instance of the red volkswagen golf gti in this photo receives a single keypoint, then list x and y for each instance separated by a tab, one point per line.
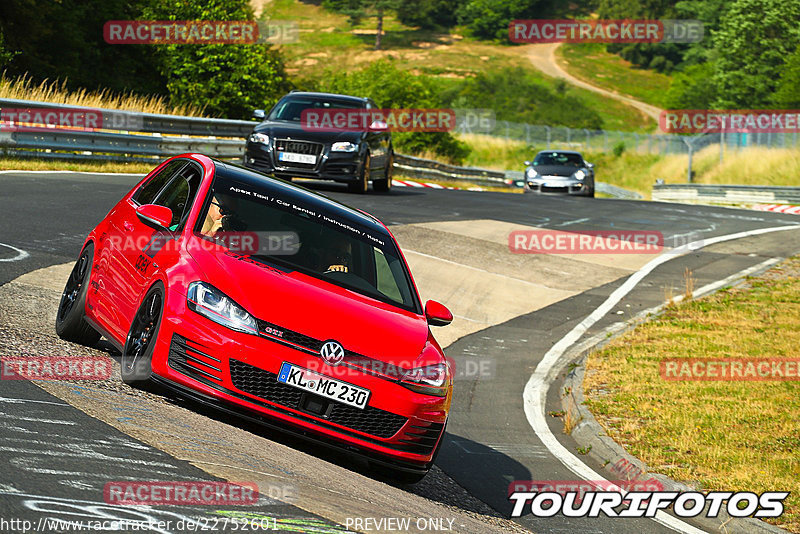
269	300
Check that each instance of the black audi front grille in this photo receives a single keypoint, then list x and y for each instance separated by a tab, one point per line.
265	385
192	359
298	147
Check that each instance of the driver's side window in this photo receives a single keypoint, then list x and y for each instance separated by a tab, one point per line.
178	195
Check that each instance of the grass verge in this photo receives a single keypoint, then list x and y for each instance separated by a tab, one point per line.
593	64
728	436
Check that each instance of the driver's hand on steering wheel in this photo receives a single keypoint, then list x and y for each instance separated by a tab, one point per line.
337	268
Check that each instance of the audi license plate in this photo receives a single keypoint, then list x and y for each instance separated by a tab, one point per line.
323	386
292	157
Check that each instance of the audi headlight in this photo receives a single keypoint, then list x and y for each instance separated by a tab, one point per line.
207	300
259	138
430	380
580	175
344	146
531	173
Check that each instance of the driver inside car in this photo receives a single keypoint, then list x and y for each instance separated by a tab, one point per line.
338	257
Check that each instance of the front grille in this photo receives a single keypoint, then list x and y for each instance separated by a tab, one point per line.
298	147
191	359
546	189
265	385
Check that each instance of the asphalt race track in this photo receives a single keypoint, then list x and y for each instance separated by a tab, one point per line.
62	442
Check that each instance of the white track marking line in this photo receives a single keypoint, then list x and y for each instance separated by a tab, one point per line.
21	254
535	394
22	401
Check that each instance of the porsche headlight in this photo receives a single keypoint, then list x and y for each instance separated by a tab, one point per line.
580	175
207	300
531	173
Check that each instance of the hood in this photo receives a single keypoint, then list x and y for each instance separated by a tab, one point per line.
294	130
315	308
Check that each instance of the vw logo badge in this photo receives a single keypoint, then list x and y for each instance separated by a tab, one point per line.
332	352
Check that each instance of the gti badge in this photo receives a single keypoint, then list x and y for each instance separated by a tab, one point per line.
332	352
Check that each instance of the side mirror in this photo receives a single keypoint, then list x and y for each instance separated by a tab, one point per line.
527	163
437	314
378	126
259	114
589	165
155	216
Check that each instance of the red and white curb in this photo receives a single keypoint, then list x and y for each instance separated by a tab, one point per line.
410	183
779	208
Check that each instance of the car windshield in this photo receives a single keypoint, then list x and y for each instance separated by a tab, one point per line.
263	227
558	158
291	109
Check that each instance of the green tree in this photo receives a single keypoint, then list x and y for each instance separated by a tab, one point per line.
752	45
489	19
787	95
360	9
229	80
693	88
391	87
429	14
64	39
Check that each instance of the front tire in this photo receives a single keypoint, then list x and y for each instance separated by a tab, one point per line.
137	355
385	184
361	185
71	323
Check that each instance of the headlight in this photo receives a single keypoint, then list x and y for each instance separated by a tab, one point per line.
214	304
259	138
344	146
531	173
430	380
580	175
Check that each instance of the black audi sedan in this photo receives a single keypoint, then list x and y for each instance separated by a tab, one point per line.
284	146
559	171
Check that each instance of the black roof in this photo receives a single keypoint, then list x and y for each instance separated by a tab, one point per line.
328	95
554	151
292	192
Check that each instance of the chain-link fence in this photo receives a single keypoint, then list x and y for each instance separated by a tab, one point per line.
562	137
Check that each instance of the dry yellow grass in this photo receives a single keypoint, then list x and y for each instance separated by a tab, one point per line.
724	435
23	164
56	92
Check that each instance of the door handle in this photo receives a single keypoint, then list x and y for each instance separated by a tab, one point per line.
128	226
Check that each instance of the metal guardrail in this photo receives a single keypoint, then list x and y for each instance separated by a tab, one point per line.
425	169
148	122
726	194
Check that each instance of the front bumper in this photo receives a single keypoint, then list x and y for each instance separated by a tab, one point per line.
237	372
564	186
338	166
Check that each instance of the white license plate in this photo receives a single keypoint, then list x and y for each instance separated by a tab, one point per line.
297	158
323	386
